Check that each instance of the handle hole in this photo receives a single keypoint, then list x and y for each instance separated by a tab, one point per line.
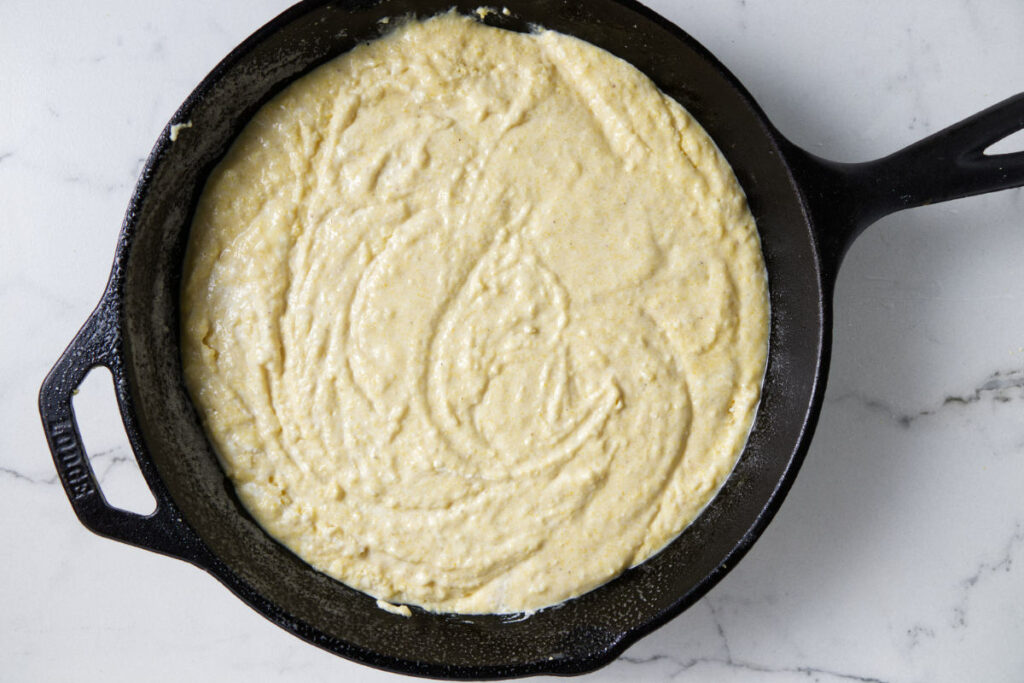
110	454
1008	145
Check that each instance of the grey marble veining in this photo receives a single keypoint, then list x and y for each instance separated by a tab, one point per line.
898	555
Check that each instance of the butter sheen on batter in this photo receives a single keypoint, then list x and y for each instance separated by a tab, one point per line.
475	320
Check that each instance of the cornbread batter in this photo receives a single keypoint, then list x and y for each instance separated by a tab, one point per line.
475	320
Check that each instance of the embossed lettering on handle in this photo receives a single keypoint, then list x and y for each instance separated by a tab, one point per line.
72	460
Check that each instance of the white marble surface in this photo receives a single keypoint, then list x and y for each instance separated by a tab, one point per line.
899	554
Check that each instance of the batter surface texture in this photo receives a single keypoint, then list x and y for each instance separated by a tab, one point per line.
475	320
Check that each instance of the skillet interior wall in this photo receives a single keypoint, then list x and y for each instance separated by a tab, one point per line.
156	235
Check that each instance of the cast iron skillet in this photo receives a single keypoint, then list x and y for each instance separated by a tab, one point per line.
807	210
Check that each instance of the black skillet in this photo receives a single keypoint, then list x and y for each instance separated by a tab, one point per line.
807	209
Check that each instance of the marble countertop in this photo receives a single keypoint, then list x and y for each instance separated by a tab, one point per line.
899	554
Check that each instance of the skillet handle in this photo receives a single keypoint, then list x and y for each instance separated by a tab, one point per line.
952	163
96	344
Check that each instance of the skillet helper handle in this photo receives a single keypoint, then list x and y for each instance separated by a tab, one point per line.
952	163
95	345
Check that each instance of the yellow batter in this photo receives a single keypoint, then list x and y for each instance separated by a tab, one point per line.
475	320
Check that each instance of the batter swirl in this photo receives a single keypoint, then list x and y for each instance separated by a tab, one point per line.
475	320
